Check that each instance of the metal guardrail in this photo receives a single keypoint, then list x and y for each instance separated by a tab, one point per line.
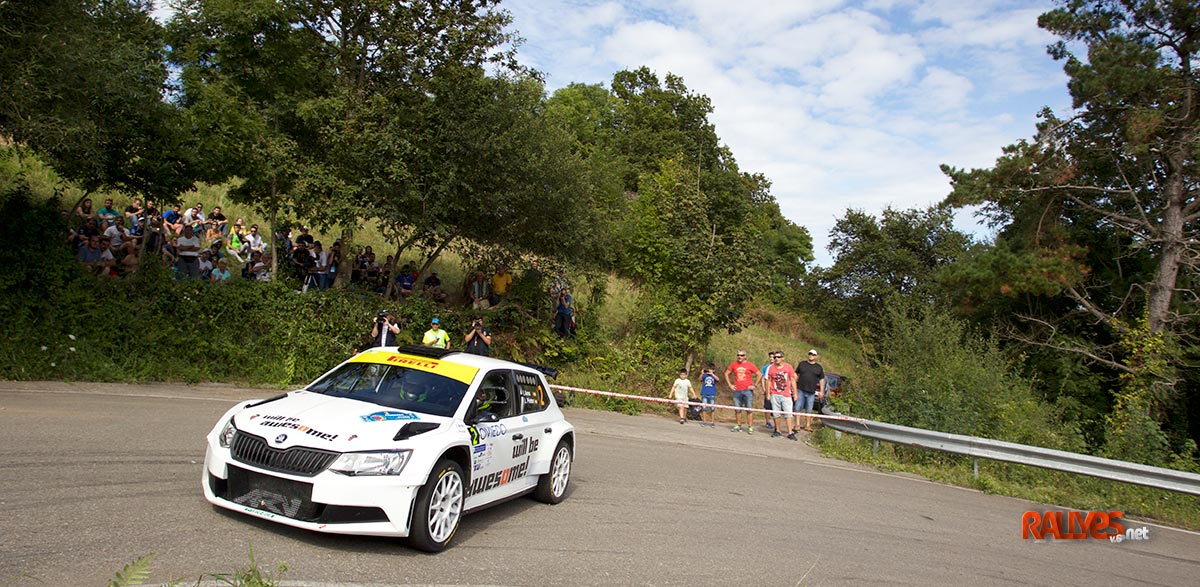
1010	452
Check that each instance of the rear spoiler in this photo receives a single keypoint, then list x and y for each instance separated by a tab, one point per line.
547	371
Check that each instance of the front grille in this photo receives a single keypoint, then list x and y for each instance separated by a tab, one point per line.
272	494
287	498
306	462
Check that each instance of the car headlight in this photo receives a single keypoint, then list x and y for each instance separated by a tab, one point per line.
371	463
226	437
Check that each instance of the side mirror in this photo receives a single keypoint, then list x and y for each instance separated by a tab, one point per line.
485	418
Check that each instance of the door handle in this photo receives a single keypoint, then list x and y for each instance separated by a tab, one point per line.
548	430
518	436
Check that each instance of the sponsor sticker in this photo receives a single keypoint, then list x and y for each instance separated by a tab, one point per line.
389	416
454	371
482	432
503	477
293	424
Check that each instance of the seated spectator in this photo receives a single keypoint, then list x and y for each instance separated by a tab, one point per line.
406	281
116	234
133	210
89	229
108	261
131	261
173	220
84	211
218	219
194	217
211	231
89	252
254	241
249	265
220	274
432	288
206	265
217	249
262	268
301	262
108	212
479	290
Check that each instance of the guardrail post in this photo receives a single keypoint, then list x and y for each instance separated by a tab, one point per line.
874	448
837	434
975	467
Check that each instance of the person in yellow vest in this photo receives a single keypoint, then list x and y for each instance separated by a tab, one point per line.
435	336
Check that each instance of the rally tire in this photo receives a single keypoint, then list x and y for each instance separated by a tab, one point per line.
552	487
439	508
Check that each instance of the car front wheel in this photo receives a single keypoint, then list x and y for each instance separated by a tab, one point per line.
439	508
552	487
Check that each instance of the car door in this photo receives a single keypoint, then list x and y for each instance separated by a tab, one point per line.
534	426
491	438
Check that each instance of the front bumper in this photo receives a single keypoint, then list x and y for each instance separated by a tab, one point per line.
326	502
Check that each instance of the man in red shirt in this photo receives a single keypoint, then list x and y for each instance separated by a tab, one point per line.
781	384
745	375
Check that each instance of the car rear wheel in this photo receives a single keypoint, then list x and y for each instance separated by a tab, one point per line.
552	487
439	508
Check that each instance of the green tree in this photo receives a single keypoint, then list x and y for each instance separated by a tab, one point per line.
82	83
1100	208
875	259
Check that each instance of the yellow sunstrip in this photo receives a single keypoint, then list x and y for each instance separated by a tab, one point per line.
454	371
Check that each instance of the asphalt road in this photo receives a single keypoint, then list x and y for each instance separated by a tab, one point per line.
93	476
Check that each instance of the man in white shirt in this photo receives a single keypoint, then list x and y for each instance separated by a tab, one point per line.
188	251
254	241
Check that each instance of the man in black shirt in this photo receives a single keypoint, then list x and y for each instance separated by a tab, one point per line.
479	340
810	384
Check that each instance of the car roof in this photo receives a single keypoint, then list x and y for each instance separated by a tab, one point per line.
462	358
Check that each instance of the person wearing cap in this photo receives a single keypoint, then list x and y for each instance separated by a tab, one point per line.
435	336
745	376
384	331
478	339
304	237
810	383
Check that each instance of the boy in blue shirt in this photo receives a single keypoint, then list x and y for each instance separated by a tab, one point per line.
708	395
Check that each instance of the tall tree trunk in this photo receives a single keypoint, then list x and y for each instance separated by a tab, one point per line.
1172	240
344	269
436	253
271	231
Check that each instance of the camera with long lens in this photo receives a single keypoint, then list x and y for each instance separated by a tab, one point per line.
381	317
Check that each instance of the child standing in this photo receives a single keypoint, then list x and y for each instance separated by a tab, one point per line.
708	395
682	391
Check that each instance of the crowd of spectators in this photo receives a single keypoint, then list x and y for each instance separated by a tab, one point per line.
192	244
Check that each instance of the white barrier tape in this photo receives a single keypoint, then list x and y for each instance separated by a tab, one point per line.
662	400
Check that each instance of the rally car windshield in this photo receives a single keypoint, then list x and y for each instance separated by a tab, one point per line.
394	387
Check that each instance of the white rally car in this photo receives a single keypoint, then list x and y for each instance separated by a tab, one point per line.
393	442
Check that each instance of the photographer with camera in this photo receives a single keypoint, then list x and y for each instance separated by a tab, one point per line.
478	339
563	313
384	332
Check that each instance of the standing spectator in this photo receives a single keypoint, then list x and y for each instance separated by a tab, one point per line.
810	383
681	392
479	290
187	251
331	268
384	332
219	220
321	263
781	379
305	238
708	395
435	336
745	376
501	283
766	390
221	273
108	212
563	313
478	339
156	235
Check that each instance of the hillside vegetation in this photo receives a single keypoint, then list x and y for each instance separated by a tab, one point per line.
419	133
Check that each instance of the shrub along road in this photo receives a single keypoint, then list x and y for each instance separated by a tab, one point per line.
95	475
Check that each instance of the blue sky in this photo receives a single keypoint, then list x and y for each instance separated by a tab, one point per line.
841	104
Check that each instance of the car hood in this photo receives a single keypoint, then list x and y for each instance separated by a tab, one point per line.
339	424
